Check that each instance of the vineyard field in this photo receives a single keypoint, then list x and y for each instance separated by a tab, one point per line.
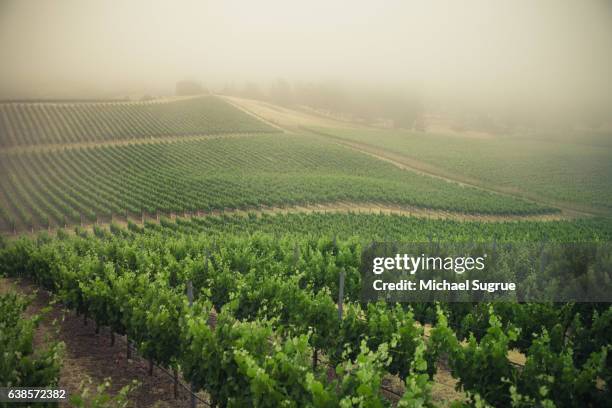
71	185
305	204
27	124
247	291
557	169
272	298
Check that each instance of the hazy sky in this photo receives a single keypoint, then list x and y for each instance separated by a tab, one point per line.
543	51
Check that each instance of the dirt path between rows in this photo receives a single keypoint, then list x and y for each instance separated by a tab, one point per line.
69	102
288	120
90	354
124	142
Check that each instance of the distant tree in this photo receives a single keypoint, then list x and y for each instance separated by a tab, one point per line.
189	87
229	89
281	93
252	91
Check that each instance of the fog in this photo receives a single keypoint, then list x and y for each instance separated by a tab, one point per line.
532	55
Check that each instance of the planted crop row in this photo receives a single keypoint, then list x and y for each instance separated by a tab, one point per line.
23	124
386	228
60	187
22	364
276	305
574	169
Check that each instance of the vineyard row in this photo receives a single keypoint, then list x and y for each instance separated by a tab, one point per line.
277	309
64	187
24	124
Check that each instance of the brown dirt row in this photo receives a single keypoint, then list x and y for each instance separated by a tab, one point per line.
167	99
122	142
251	113
289	120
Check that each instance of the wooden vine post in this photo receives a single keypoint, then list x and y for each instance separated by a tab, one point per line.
190	298
340	295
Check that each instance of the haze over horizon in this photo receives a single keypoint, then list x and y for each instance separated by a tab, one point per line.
545	53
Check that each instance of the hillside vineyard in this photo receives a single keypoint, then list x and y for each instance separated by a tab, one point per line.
75	184
23	124
574	169
165	222
273	298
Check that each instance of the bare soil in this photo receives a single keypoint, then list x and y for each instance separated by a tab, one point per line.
122	142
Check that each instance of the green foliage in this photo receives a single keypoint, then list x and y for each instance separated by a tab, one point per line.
361	379
375	227
276	307
84	185
489	356
574	169
58	123
418	384
570	384
91	396
551	376
21	365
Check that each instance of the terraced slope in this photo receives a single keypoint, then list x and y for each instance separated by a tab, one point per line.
57	187
24	124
